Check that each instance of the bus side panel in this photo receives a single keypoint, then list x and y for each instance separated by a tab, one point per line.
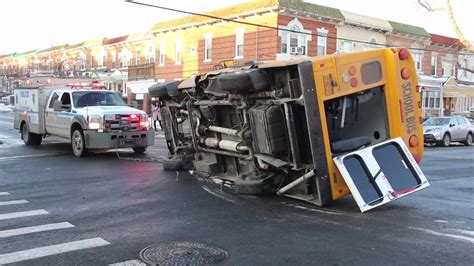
405	114
316	130
323	73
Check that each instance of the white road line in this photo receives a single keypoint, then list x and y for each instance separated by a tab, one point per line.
12	202
29	156
465	238
129	263
466	232
51	250
4	193
34	229
5	216
217	194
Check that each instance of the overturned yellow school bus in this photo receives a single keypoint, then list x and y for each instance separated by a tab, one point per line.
315	129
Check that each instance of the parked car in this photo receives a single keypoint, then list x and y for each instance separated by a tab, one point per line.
444	130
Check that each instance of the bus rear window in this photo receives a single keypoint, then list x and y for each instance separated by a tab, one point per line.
357	118
371	72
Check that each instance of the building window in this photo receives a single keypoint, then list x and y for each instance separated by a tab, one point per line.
284	45
137	58
434	65
239	43
178	51
208	47
92	54
322	41
49	65
297	41
431	99
101	58
294	38
417	59
447	65
347	46
150	54
124	58
114	57
162	53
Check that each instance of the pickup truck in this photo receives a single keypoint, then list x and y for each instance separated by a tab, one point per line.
88	118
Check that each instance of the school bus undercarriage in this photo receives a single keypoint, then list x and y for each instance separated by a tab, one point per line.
279	126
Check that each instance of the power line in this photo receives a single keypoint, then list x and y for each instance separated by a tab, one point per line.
272	27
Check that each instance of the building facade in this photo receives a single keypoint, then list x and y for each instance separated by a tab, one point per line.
272	30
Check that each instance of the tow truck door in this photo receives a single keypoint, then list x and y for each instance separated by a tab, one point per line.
50	115
64	117
381	173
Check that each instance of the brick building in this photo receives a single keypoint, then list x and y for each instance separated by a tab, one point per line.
273	29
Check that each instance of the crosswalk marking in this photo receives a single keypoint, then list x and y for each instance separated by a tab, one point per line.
4	193
5	216
129	263
34	229
12	202
51	250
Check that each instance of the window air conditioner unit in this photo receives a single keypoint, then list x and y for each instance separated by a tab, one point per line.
296	50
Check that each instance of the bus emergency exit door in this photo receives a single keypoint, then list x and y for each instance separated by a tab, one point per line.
381	173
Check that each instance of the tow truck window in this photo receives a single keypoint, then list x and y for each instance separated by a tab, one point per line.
66	98
53	99
86	98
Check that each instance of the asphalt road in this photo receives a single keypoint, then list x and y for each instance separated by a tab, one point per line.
104	210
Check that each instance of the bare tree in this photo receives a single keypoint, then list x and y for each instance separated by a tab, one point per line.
448	8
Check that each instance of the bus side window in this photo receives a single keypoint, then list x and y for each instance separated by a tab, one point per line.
54	98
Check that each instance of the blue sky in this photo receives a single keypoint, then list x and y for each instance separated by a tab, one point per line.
28	24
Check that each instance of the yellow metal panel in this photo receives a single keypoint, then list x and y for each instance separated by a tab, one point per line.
401	96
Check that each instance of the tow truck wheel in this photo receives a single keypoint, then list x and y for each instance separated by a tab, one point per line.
28	137
78	143
139	149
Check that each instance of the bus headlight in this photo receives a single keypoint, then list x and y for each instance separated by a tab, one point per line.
95	122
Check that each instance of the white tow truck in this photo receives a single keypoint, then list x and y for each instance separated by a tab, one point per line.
82	113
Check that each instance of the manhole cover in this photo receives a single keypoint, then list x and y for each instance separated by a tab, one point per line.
182	253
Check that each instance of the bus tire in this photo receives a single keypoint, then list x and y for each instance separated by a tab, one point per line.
248	187
78	143
28	137
158	90
243	81
177	164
